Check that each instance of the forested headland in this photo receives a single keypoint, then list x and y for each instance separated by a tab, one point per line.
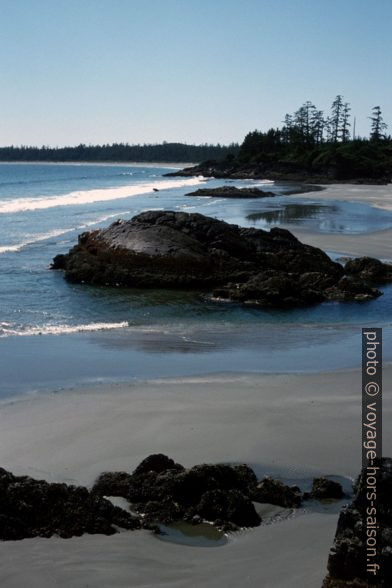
311	145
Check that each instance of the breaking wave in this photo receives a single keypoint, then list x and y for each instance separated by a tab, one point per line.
90	196
5	331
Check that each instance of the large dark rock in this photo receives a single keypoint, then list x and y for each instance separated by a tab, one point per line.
181	250
35	508
232	192
349	555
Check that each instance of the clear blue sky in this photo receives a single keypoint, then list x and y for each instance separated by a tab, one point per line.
190	70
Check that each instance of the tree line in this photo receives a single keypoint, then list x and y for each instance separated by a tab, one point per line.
120	152
310	125
314	143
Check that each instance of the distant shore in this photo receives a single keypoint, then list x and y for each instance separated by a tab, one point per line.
276	171
112	163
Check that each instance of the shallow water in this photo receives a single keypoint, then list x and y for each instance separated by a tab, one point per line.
336	217
202	535
55	334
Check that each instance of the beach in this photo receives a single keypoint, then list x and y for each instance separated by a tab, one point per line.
374	244
292	425
303	425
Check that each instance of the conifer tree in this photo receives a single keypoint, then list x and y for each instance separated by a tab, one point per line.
378	124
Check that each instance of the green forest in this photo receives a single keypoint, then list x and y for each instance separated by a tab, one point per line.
120	152
316	144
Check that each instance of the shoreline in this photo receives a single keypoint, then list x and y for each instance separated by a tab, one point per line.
267	420
374	244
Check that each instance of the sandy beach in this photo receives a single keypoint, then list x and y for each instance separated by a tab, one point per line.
376	244
299	424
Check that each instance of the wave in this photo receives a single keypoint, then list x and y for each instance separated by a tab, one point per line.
59	329
34	239
90	196
56	233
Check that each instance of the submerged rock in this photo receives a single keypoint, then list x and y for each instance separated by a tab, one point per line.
350	555
159	249
232	192
36	508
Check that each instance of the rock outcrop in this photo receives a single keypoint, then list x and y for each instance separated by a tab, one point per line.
350	555
164	491
36	508
232	192
181	250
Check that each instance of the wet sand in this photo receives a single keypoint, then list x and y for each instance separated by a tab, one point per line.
376	244
299	425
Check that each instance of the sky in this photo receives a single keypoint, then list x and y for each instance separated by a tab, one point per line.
103	71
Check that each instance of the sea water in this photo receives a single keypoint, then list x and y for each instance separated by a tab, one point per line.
53	333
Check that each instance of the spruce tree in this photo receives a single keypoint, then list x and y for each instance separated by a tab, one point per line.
378	124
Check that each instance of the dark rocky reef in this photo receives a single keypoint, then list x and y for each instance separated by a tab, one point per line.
164	491
159	491
35	508
349	555
180	250
232	192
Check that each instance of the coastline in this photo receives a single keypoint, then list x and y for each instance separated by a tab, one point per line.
266	420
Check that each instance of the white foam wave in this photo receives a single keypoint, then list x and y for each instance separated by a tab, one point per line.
90	196
55	233
60	329
32	240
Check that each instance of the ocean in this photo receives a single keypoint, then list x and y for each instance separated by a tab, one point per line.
56	335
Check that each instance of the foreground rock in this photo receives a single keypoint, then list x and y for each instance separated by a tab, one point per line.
232	192
161	249
350	555
35	508
164	492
